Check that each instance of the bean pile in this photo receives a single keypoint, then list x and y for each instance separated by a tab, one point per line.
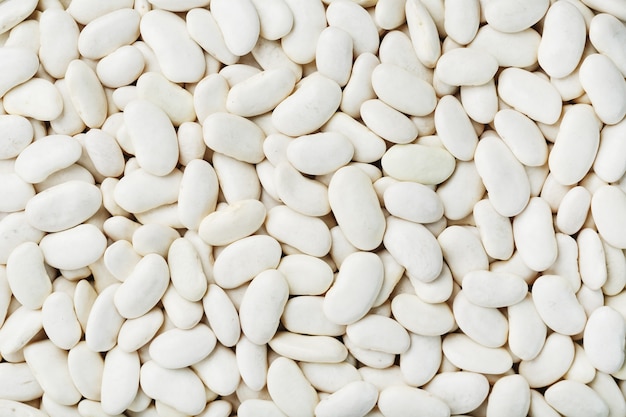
331	208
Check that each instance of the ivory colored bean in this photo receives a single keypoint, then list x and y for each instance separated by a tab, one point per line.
307	234
153	136
153	238
239	23
260	93
121	67
562	41
289	389
333	55
179	57
137	192
259	252
426	351
355	398
219	129
27	276
183	313
414	202
605	86
403	238
486	326
379	333
387	122
455	129
446	386
356	208
254	407
557	305
509	396
63	206
462	251
571	158
15	193
540	100
143	289
534	235
353	19
73	248
420	317
174	100
232	223
204	30
306	196
508	193
606	33
14	12
330	377
36	98
19	383
104	321
10	406
461	20
492	289
135	333
509	16
180	389
19	328
496	231
575	399
186	270
49	365
275	18
86	93
606	208
305	315
317	349
104	152
252	363
350	298
516	49
471	356
418	163
16	133
120	380
122	27
522	136
478	67
178	348
59	320
603	339
394	401
262	306
306	275
403	90
319	153
423	33
313	102
370	358
480	102
591	259
606	165
359	87
368	146
309	20
57	27
527	331
23	65
462	191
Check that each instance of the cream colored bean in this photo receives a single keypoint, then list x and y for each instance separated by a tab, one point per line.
179	57
24	64
46	156
311	105
317	349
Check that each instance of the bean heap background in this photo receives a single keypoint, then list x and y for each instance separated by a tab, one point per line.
296	207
